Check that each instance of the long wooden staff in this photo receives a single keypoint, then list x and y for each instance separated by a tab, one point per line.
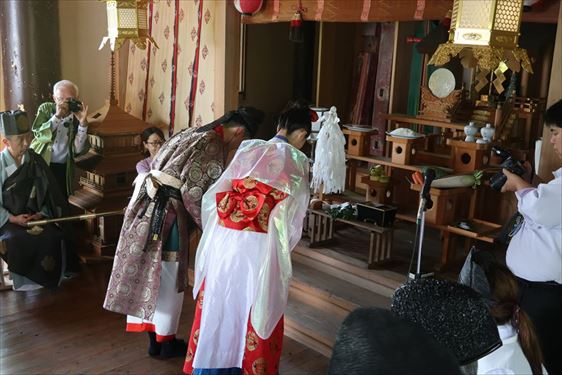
73	218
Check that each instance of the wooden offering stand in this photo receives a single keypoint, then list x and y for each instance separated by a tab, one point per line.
358	142
446	204
468	156
377	192
403	149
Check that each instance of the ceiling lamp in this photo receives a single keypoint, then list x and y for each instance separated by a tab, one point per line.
248	7
484	34
127	20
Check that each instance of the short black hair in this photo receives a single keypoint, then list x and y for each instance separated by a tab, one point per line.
553	115
295	116
152	130
249	118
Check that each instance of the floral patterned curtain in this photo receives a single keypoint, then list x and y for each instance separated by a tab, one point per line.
174	84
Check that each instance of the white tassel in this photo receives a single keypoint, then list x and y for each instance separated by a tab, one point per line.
328	171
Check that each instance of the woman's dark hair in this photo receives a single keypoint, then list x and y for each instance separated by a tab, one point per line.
553	115
148	132
248	117
295	116
505	309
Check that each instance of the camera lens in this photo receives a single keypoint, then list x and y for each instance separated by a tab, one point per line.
497	181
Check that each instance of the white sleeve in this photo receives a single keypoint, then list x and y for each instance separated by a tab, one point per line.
80	139
4	216
543	205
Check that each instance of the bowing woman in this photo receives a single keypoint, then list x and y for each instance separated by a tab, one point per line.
252	219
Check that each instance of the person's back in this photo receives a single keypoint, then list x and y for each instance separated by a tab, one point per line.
252	218
509	356
520	352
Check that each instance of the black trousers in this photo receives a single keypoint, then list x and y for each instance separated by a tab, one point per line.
543	303
59	170
72	259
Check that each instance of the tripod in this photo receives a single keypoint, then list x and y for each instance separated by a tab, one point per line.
425	204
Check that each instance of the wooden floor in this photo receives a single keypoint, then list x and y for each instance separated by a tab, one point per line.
68	332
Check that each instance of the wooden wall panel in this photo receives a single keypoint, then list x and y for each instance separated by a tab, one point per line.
549	160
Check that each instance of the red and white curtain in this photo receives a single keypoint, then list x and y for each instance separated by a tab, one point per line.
174	84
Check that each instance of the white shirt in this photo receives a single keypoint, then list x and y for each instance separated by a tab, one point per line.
60	143
509	358
535	251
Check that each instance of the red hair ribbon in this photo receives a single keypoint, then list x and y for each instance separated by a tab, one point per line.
313	116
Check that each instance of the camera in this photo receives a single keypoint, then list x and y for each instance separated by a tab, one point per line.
74	105
510	163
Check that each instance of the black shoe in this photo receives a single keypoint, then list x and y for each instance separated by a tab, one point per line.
67	275
174	348
155	347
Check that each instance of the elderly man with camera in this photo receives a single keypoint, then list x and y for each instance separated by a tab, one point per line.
60	133
534	254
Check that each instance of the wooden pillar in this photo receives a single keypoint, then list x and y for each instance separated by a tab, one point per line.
30	51
304	63
549	160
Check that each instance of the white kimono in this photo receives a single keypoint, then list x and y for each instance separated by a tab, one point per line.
247	273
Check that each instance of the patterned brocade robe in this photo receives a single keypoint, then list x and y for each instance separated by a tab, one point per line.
192	160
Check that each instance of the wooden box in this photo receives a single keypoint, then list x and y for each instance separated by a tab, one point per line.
448	204
358	142
468	156
403	149
380	214
376	191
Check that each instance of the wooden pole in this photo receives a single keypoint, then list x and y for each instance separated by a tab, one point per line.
73	218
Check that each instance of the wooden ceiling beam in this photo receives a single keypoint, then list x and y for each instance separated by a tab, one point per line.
377	11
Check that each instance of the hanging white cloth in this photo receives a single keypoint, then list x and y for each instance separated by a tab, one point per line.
328	171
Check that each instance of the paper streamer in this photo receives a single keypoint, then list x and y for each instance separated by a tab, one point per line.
420	7
319	10
365	11
275	15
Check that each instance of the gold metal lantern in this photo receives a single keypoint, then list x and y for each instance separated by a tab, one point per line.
127	20
485	34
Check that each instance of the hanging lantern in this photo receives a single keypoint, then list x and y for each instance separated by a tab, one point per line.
484	34
127	20
248	7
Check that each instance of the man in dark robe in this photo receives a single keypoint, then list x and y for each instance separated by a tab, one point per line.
35	256
150	265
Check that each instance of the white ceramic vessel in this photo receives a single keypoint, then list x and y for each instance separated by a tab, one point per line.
470	130
488	133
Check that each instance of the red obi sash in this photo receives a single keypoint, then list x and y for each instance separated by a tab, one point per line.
248	205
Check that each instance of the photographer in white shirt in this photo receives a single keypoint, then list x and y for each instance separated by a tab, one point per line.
534	254
60	132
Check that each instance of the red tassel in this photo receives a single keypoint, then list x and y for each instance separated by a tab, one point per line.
296	33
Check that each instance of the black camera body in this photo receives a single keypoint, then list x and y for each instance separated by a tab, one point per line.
510	163
74	105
